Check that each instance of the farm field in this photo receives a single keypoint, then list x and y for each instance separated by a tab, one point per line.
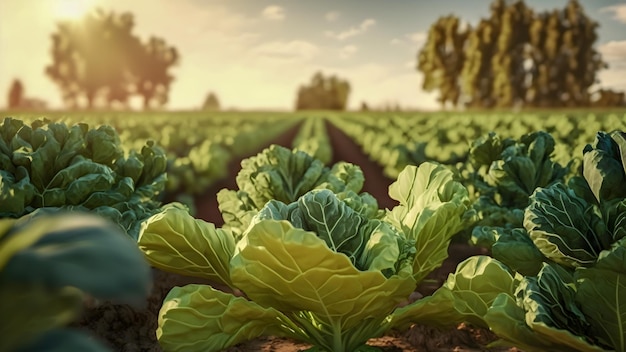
202	154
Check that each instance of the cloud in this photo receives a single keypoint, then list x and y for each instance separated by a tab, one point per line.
417	37
347	51
614	53
613	50
410	40
331	16
295	50
273	13
352	31
619	12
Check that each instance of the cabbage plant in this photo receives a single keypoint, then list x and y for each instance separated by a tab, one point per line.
49	264
278	173
504	172
561	277
317	268
54	166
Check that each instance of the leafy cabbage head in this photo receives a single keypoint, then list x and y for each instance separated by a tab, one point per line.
564	227
282	174
604	165
370	244
278	173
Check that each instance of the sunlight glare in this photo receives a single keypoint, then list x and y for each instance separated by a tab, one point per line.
72	9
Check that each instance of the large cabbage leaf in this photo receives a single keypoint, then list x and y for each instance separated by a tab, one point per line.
166	240
601	295
433	207
516	249
282	266
604	165
466	296
200	318
544	314
564	227
78	250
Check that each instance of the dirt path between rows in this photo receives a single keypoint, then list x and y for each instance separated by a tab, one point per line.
345	149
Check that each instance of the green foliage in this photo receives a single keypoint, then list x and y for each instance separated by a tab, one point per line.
323	93
370	244
95	70
604	165
572	294
316	260
515	57
503	174
313	139
442	63
278	173
50	165
49	263
433	207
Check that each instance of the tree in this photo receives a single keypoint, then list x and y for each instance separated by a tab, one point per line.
515	57
16	94
152	80
97	62
441	59
323	93
211	103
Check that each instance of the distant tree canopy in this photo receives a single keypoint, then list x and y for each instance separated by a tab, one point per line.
16	94
323	93
211	103
516	57
98	62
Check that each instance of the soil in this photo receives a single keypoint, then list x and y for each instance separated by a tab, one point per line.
131	329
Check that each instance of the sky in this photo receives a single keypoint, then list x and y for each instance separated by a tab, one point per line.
254	54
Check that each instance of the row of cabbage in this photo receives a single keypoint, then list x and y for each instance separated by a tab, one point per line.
198	146
400	139
313	139
309	256
115	164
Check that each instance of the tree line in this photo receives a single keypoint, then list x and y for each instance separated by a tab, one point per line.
516	57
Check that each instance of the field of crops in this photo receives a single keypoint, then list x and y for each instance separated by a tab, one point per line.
335	231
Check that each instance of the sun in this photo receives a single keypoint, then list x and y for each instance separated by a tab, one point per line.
72	9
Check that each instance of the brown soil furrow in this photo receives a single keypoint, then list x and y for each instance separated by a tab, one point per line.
345	149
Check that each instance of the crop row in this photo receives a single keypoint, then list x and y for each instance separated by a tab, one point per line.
198	146
400	139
